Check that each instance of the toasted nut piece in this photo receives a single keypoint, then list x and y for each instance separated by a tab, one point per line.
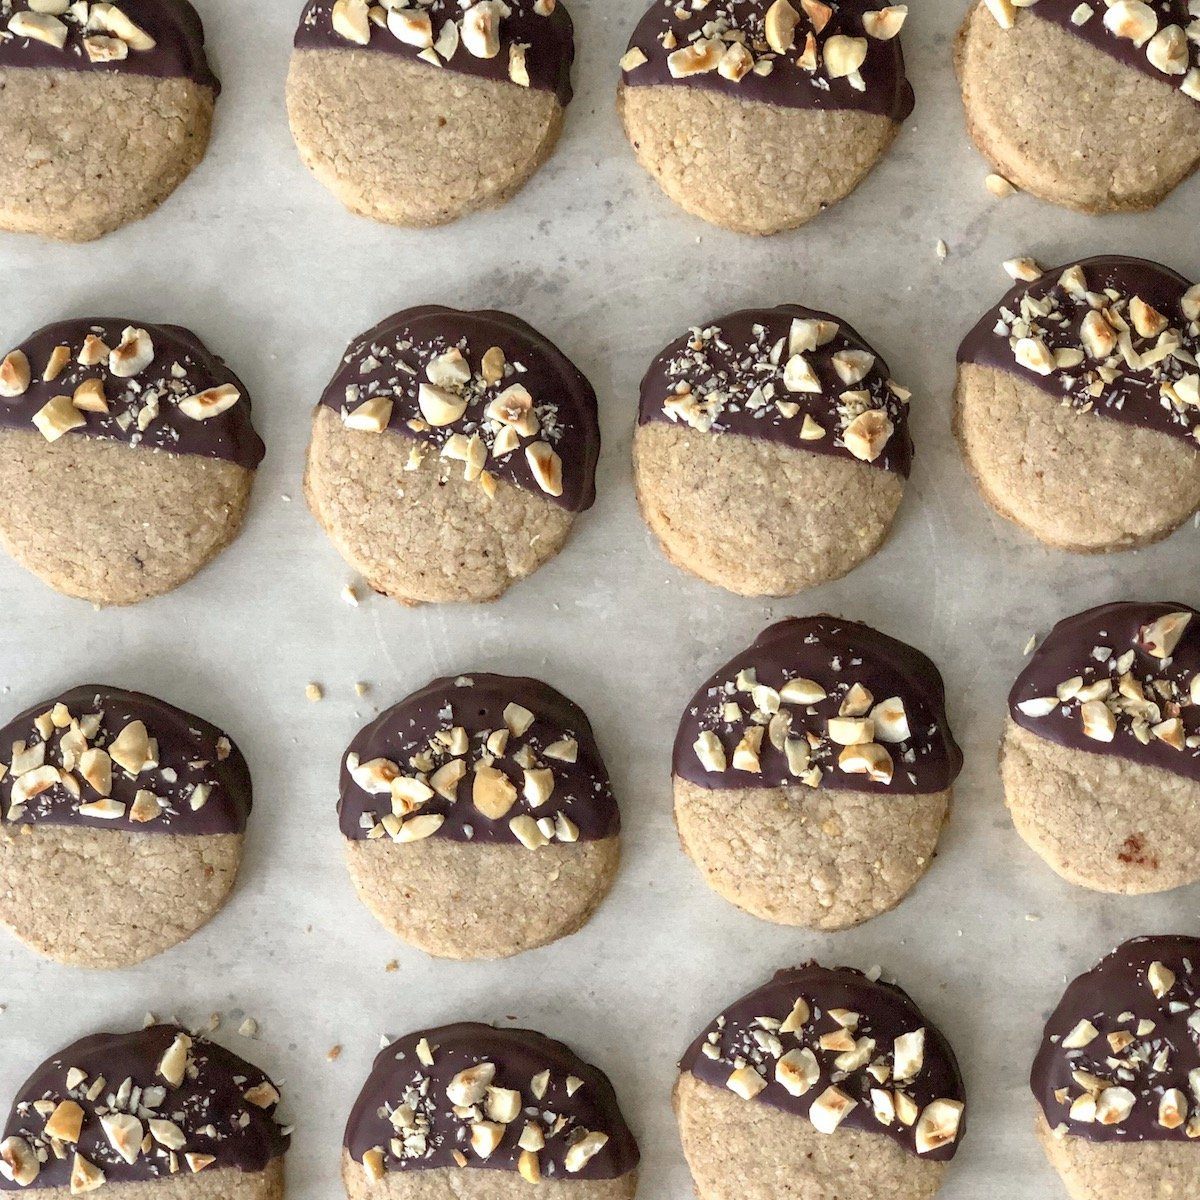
999	186
56	417
528	1167
518	67
1172	1109
18	1161
938	1125
564	750
798	1017
830	1109
210	403
891	721
909	1055
167	1133
696	58
440	406
492	365
746	1082
885	23
1098	721
417	829
372	416
65	1122
518	719
481	29
114	20
1171	732
1004	11
584	1150
197	1162
14	374
373	1165
469	1087
146	806
1131	19
746	752
847	731
446	778
1098	336
105	49
124	1133
85	1176
1114	1105
351	19
1033	354
853	366
173	1065
781	22
528	832
130	750
799	376
710	752
492	792
514	407
503	1105
262	1095
817	12
1190	303
736	63
133	355
411	26
632	59
844	55
539	786
868	434
1160	637
871	759
1161	979
89	397
1149	322
1084	1034
797	1071
41	27
546	467
1024	269
802	691
60	356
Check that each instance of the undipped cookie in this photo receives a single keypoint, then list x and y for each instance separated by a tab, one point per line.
419	113
771	451
451	453
821	1083
812	773
757	115
121	825
479	1113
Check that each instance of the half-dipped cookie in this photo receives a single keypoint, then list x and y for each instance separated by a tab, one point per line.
104	110
758	114
486	1114
822	1082
1094	106
138	440
478	817
451	453
1101	753
812	773
417	113
1117	1077
121	825
1078	402
771	451
134	1115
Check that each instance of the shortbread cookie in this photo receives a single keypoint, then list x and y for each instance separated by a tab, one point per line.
1086	372
105	109
478	817
771	451
821	1083
451	453
419	115
1101	755
812	773
486	1114
1117	1078
159	1112
121	825
138	440
1094	106
759	114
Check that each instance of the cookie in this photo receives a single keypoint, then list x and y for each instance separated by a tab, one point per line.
1086	372
758	115
824	1083
138	439
812	773
159	1112
419	115
1092	106
478	817
1101	752
104	112
486	1114
1117	1077
121	825
771	451
451	453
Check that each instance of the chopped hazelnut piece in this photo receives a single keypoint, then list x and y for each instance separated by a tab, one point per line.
19	1161
797	1018
173	1065
210	403
41	27
632	59
373	1165
909	1055
57	417
871	759
818	13
885	23
518	70
124	1133
844	55
133	355
1082	1035
85	1176
1161	979
528	1167
696	58
440	406
1131	19
736	63
830	1109
112	19
1161	637
746	1082
14	374
527	831
60	356
197	1162
1004	11
1098	721
352	21
797	1071
1114	1105
105	49
89	397
481	29
470	1086
868	434
546	467
417	829
1033	354
1172	1109
584	1150
65	1123
780	26
411	26
1023	269
938	1125
167	1133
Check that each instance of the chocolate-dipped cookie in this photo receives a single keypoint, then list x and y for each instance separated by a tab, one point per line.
419	113
771	451
478	817
451	453
486	1114
1101	753
105	109
758	114
138	440
812	773
121	825
1094	106
1086	373
821	1082
159	1112
1117	1077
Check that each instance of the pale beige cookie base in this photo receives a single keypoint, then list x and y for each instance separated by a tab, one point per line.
409	144
745	166
1099	821
755	517
83	153
468	900
744	1150
427	536
1077	481
822	858
105	899
213	1183
1068	123
111	523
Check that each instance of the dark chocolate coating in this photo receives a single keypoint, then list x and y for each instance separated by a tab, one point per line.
581	789
229	435
887	93
550	42
886	1012
563	398
189	749
1068	651
518	1056
244	1136
1134	398
736	362
1115	996
835	654
174	25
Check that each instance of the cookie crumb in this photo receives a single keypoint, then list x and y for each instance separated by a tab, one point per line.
390	967
999	186
335	1052
248	1028
314	692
